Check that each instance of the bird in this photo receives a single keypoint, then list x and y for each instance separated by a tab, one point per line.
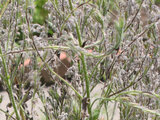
62	65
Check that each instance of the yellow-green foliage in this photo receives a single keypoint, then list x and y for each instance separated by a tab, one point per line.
40	13
157	1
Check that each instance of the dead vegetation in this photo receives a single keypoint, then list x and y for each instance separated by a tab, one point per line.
72	46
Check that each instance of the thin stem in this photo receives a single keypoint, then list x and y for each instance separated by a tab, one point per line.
69	15
87	83
134	17
50	69
9	85
39	49
4	8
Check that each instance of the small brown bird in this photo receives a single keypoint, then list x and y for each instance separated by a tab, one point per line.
62	64
65	63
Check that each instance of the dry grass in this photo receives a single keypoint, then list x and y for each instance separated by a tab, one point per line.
123	37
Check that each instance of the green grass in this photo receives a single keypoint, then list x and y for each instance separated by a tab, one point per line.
124	58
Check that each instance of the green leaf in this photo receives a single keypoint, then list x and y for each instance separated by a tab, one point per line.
96	113
99	18
40	3
119	26
157	2
40	13
144	109
0	99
